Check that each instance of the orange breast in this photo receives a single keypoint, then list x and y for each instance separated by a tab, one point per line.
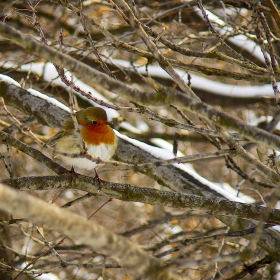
95	135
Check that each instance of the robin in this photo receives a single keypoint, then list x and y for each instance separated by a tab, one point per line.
99	139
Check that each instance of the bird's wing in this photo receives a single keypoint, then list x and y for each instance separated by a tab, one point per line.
56	137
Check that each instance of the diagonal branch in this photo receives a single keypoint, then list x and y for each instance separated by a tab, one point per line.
136	24
37	155
175	179
127	192
99	238
166	96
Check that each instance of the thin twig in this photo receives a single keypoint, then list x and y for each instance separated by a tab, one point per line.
23	128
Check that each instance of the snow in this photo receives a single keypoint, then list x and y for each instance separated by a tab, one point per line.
205	84
222	188
165	153
48	276
168	228
49	99
142	126
239	40
127	126
49	74
9	80
263	119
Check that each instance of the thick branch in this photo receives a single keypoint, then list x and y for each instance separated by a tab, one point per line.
99	238
6	138
166	96
171	177
127	192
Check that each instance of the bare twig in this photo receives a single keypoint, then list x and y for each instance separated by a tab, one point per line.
23	128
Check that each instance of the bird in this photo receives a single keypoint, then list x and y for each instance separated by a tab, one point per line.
98	137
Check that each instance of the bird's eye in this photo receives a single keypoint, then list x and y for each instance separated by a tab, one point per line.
94	122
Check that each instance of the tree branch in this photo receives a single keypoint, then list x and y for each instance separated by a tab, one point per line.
128	192
166	96
99	238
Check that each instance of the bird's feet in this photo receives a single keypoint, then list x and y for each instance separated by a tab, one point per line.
74	175
100	182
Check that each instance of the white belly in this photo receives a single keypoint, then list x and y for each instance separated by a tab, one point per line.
103	152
